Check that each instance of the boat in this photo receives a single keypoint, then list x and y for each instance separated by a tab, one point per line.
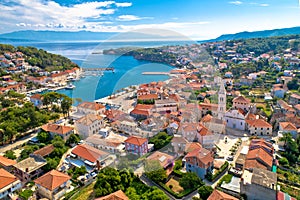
70	87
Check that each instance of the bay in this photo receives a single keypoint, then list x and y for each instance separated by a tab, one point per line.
128	71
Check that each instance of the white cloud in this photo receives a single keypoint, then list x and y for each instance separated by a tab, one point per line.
264	5
50	14
128	18
125	4
236	2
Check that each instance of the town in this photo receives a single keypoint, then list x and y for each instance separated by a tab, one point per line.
223	126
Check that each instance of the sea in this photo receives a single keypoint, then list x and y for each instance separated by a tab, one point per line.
88	54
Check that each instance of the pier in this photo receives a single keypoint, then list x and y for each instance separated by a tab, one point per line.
98	69
156	73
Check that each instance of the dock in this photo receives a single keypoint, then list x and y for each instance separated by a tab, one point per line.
155	73
98	69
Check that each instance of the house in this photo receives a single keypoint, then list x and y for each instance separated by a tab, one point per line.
228	75
142	111
37	100
242	103
136	145
89	125
218	195
59	77
53	185
214	124
260	155
118	195
30	168
126	126
113	145
165	105
8	184
91	108
200	161
6	163
294	99
288	127
88	156
45	151
164	160
259	184
278	90
147	98
235	118
259	127
60	130
179	144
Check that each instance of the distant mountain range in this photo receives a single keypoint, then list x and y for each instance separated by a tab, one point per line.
259	34
30	35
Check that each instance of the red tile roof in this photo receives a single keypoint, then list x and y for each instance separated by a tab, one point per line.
218	195
258	123
136	140
148	97
6	178
45	150
88	153
5	162
241	99
288	126
203	155
36	96
52	180
118	195
58	129
91	105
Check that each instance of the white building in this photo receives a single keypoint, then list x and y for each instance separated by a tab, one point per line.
89	125
166	105
242	103
91	108
8	184
235	118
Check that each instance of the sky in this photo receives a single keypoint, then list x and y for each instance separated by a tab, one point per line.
197	19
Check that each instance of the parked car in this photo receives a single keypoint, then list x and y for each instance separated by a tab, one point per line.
229	158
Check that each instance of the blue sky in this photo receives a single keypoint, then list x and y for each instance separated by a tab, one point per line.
198	19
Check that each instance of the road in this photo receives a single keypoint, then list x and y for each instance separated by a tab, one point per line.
19	142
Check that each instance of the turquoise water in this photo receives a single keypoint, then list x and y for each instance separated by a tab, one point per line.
128	71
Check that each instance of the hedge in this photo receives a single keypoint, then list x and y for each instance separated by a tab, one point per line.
212	177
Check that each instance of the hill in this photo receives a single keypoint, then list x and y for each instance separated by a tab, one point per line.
259	34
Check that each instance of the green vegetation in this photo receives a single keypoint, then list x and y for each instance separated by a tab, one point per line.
160	140
110	180
77	171
212	177
263	45
25	194
227	179
190	180
73	139
40	58
10	155
178	167
292	148
204	191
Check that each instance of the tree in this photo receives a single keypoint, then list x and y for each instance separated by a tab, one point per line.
283	161
293	85
66	105
73	139
190	180
158	176
43	136
204	191
10	155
